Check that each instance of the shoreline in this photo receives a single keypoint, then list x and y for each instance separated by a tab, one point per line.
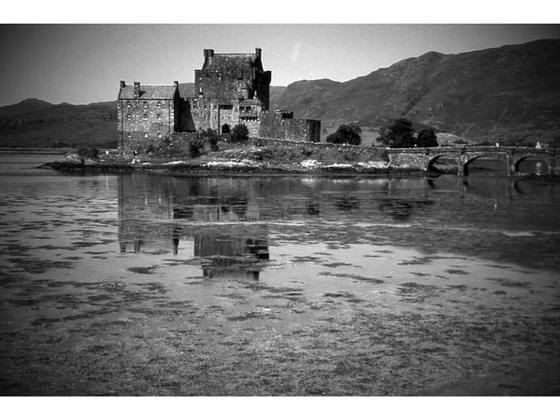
197	169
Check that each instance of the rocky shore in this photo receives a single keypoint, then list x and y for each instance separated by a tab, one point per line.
240	160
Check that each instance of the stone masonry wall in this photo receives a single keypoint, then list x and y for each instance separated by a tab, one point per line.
273	125
144	122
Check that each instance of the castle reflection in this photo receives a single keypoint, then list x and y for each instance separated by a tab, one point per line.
190	218
227	221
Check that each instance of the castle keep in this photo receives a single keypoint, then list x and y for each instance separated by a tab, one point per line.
229	89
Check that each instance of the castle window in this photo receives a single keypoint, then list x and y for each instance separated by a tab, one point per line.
128	116
158	117
128	104
145	115
158	104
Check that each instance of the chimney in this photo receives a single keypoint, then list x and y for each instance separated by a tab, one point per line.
123	84
136	90
258	52
176	83
208	54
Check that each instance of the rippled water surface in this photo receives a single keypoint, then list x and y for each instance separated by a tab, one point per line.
152	285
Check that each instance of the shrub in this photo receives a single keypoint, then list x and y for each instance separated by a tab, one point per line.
239	133
195	147
211	137
482	143
346	134
88	152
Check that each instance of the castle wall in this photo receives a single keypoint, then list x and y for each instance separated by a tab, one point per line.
281	125
213	114
144	122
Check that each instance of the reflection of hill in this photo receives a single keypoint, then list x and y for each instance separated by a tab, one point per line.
400	209
230	217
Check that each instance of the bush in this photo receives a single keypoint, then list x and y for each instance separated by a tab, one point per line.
239	133
482	143
88	152
195	147
346	134
211	137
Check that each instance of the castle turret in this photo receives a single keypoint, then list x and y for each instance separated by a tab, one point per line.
208	54
136	90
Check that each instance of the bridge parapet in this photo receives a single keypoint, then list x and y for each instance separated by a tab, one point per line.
483	149
422	157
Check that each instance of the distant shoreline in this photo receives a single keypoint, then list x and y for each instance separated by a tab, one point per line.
37	150
42	150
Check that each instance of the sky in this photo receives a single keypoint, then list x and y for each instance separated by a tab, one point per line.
83	63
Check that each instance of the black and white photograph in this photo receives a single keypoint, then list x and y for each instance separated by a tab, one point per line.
279	209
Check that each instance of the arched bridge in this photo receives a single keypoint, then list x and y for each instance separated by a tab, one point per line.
423	157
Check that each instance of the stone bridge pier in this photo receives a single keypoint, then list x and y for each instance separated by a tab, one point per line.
423	157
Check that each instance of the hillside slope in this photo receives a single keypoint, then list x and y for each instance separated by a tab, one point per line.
50	125
508	93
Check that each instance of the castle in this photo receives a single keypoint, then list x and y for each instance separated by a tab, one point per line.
229	89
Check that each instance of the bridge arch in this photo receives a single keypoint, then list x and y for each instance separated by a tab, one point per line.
469	159
430	165
532	156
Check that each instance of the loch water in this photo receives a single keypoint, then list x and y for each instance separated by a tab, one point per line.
141	284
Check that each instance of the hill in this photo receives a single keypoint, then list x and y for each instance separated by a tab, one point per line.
41	124
509	94
24	107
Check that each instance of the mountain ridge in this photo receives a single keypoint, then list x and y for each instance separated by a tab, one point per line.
509	94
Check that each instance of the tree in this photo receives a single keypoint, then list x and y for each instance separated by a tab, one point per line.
399	134
346	134
239	133
427	138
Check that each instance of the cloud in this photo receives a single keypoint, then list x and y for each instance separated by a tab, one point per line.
295	51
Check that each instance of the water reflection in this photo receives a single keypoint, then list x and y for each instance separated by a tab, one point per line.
227	222
157	214
400	209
